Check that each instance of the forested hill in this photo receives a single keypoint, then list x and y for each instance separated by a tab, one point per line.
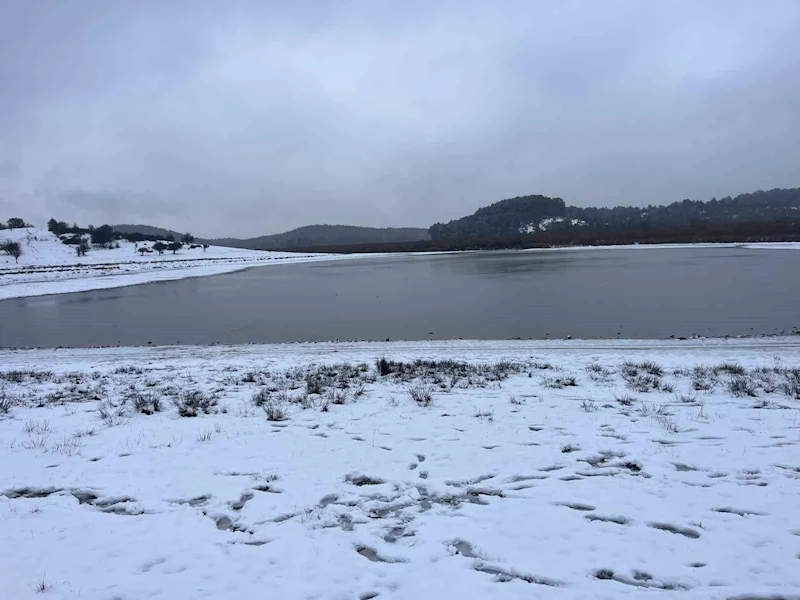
537	214
328	235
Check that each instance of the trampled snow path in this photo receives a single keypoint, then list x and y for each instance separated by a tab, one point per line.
513	483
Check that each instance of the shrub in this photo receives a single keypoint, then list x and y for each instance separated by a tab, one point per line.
730	368
337	397
314	385
145	403
740	386
559	383
384	366
262	397
5	403
111	413
17	223
625	400
644	382
791	384
193	403
12	249
102	235
274	411
686	398
651	367
421	394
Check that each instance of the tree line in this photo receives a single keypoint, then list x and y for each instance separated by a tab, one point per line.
785	230
541	215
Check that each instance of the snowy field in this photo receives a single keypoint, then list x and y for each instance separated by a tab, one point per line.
501	470
48	266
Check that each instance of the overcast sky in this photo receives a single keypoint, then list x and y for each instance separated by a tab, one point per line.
253	117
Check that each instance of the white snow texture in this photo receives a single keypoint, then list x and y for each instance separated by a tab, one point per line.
572	470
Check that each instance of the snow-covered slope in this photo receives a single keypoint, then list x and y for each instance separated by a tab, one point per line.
48	266
539	470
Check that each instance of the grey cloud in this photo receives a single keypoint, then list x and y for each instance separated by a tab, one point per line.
254	117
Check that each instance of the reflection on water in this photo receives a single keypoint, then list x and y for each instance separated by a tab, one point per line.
503	263
583	293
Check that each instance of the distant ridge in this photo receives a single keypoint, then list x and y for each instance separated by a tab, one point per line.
148	230
327	235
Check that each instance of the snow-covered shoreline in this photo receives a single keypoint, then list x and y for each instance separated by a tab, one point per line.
47	266
564	469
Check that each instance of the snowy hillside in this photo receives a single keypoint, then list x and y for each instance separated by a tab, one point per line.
48	266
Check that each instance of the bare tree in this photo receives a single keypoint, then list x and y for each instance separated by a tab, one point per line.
12	249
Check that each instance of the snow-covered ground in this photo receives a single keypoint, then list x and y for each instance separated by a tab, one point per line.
48	266
539	470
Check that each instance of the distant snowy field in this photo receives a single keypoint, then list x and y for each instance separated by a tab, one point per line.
572	469
48	266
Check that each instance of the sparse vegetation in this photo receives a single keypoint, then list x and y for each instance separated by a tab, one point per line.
421	394
625	400
262	397
742	385
195	402
146	403
274	410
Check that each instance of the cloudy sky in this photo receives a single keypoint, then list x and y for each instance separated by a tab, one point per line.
253	117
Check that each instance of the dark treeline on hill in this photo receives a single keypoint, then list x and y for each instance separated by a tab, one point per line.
537	215
786	230
105	234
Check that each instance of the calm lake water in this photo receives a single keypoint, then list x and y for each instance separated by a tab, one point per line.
603	293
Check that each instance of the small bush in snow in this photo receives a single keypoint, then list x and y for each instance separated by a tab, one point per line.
588	406
740	386
314	385
730	368
13	249
262	397
625	400
643	383
195	402
421	394
669	424
559	383
385	367
651	367
791	384
108	411
145	403
5	403
274	411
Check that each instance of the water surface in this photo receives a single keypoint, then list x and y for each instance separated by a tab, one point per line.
587	293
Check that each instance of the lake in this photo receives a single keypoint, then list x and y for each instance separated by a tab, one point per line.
584	293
